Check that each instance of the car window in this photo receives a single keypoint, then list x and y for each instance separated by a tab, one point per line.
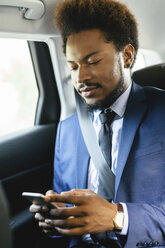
18	88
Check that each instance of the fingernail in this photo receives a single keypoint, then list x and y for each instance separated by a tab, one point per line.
47	221
58	229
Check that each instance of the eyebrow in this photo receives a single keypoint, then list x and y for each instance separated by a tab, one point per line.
86	57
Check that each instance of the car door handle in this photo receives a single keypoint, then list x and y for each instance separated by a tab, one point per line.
32	9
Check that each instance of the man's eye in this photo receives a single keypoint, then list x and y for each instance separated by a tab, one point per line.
94	62
73	68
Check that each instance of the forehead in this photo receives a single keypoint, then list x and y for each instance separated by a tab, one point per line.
86	42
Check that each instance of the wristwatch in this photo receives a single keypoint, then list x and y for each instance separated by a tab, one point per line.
118	219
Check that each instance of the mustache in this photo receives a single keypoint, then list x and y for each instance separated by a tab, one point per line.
87	84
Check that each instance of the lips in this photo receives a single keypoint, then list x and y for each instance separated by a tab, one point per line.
88	91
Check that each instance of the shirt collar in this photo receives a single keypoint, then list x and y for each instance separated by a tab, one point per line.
118	106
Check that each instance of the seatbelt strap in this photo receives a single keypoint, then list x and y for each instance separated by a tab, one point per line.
106	176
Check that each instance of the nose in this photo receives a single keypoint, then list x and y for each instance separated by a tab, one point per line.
83	74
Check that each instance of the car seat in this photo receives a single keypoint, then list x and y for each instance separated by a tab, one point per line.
151	76
5	231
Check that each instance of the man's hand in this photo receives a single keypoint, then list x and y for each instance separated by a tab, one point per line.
90	213
43	212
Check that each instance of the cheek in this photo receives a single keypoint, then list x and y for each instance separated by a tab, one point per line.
111	77
108	80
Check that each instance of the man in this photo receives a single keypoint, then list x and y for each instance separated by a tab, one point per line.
100	42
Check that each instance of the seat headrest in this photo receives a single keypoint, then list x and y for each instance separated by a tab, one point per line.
151	76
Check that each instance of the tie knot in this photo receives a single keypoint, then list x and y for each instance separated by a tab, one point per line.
106	116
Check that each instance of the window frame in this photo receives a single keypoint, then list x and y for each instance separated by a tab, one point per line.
48	105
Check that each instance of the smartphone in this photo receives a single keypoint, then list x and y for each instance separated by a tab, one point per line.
38	198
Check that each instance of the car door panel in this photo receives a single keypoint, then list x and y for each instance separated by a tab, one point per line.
26	165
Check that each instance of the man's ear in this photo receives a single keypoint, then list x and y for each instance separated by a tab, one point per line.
128	55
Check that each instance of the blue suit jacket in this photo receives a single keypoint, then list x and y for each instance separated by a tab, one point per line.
140	176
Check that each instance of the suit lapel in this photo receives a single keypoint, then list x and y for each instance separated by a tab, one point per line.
135	110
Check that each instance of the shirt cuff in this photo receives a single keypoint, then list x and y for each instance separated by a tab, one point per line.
124	230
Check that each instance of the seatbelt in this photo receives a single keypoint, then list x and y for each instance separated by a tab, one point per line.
106	176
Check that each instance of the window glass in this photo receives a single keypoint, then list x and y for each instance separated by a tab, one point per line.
18	88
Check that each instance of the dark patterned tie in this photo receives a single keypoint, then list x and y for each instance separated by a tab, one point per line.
105	143
105	134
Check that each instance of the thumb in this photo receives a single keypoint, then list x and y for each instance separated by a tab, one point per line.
50	192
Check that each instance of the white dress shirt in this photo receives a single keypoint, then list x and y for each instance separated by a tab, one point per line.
118	107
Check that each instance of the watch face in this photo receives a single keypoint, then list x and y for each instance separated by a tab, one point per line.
119	220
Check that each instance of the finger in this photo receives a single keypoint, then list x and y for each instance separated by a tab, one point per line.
44	225
67	212
67	223
50	192
76	197
58	204
55	204
57	198
52	232
35	208
45	208
73	231
38	208
39	217
48	229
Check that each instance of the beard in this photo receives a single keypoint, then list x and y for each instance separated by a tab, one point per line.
111	98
